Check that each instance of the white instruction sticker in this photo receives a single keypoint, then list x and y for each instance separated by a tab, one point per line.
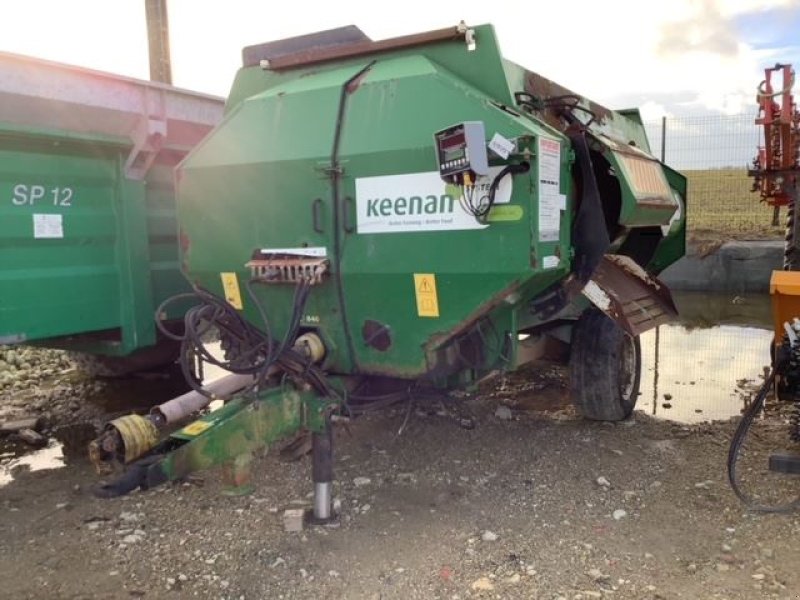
315	251
501	146
48	226
549	215
551	200
550	262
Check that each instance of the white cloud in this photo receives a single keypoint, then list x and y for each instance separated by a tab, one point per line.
651	110
609	53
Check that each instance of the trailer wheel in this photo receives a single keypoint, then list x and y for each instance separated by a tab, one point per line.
605	368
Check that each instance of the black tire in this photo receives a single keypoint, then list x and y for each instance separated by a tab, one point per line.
605	368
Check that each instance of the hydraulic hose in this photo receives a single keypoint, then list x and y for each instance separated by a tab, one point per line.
737	442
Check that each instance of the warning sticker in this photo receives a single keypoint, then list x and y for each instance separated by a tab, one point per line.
550	197
425	291
230	285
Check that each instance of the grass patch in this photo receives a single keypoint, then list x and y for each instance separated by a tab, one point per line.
721	205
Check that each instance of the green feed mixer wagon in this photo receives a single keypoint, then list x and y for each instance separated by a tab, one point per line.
374	221
88	239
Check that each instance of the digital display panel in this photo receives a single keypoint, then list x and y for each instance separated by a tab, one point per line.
457	139
453	154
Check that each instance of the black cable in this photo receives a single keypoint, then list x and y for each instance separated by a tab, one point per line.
736	446
256	350
336	174
480	211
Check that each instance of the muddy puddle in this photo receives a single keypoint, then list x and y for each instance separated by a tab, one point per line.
706	366
65	446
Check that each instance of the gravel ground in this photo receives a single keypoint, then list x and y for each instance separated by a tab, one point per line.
531	502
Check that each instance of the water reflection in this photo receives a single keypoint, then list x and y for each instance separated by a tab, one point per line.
691	375
691	370
12	462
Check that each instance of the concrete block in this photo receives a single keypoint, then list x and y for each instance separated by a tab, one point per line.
294	519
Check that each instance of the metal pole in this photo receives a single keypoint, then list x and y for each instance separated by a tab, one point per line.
664	139
322	473
655	372
158	41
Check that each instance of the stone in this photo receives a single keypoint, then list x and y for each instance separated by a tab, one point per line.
128	517
692	568
598	576
503	413
182	578
21	423
722	567
29	436
767	553
726	548
132	538
489	536
514	579
482	585
603	482
619	514
361	481
758	576
293	519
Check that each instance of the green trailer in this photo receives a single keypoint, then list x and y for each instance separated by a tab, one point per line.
375	222
88	236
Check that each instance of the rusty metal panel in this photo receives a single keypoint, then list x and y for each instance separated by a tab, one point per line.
314	56
635	300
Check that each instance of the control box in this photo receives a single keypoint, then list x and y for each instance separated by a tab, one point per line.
462	149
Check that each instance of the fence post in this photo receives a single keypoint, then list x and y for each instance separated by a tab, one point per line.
664	139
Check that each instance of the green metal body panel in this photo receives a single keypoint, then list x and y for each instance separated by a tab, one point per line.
253	184
88	235
111	258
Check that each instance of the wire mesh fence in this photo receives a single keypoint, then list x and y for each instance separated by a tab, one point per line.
714	153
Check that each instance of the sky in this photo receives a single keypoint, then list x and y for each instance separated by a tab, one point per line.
672	57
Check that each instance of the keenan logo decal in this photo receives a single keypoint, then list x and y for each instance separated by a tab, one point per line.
418	202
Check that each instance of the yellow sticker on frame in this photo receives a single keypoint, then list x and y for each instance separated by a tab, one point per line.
195	428
425	292
230	285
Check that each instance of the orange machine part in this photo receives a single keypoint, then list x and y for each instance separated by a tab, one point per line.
784	287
